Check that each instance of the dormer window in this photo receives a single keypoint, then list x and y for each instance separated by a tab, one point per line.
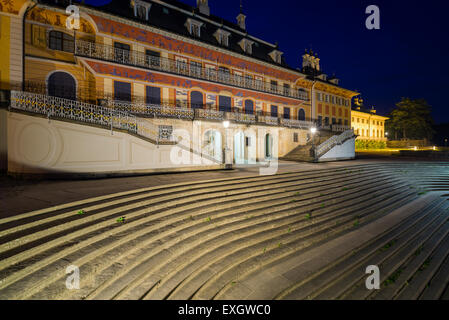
276	55
222	37
141	9
246	45
194	27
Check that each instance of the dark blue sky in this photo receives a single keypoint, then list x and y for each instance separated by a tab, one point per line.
407	57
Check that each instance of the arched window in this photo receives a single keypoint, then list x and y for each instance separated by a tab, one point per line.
249	107
62	85
301	114
61	41
196	100
224	103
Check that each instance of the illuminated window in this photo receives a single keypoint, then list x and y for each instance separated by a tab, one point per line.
61	41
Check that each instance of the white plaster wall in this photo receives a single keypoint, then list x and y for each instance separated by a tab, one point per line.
37	145
340	152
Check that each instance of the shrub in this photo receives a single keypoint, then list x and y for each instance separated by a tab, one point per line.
370	144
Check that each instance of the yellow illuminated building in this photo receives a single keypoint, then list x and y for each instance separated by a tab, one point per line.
367	125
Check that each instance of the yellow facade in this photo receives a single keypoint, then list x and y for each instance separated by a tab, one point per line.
368	125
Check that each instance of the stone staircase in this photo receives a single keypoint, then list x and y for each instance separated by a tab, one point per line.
305	152
287	236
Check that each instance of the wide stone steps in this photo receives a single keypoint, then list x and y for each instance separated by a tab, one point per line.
346	279
202	240
172	230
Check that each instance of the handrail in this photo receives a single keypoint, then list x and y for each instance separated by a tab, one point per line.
332	142
94	50
84	112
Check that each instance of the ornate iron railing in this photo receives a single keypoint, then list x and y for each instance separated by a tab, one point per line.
54	107
301	124
140	59
333	141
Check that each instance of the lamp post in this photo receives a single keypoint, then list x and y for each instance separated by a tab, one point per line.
226	126
313	130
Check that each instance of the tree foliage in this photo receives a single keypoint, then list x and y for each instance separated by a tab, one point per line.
411	119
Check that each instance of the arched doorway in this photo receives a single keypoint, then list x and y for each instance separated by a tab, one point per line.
62	85
268	146
301	114
249	107
212	145
196	100
239	148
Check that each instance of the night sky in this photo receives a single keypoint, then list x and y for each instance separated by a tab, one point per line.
407	57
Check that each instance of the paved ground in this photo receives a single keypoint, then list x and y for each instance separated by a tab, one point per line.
19	196
308	232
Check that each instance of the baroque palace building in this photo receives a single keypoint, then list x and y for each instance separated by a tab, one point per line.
168	66
367	125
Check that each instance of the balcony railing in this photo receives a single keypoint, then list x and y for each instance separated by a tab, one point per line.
172	111
54	107
301	124
140	59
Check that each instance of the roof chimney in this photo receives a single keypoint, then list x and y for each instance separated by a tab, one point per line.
203	6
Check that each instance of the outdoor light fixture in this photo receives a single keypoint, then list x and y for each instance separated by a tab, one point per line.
415	148
313	130
226	124
386	134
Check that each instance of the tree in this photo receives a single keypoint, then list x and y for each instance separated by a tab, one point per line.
411	119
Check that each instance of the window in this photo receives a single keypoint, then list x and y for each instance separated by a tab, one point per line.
326	121
248	80
274	111
196	100
301	114
295	136
224	103
153	95
62	85
248	141
333	99
286	89
320	121
224	74
153	58
121	51
222	37
274	85
195	30
302	93
246	45
334	121
195	68
181	65
61	41
194	27
326	98
141	9
249	107
319	96
122	91
286	113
